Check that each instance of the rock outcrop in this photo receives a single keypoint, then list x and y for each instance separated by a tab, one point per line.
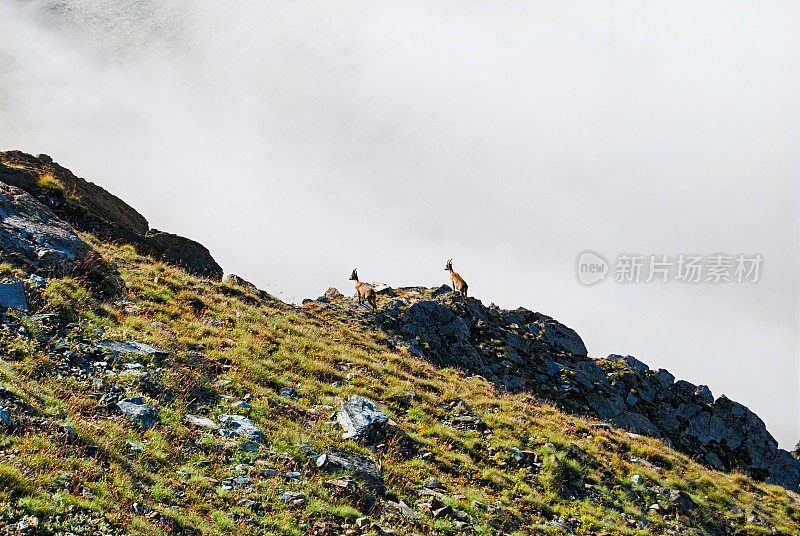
522	350
88	207
31	235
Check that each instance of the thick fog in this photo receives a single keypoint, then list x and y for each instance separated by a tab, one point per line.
298	140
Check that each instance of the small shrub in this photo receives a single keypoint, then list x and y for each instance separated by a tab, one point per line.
50	185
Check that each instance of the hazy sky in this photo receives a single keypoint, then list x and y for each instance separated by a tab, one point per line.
300	139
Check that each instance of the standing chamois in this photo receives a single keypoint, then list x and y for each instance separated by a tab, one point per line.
364	291
459	285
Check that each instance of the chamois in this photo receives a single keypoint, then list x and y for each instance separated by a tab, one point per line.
364	291
459	285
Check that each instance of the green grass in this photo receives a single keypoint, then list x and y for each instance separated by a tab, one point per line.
264	345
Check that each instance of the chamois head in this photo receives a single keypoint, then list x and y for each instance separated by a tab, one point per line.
449	265
354	275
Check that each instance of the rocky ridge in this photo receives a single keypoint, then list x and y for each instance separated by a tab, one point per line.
526	351
87	207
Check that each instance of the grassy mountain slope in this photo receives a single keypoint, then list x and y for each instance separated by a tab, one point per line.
508	464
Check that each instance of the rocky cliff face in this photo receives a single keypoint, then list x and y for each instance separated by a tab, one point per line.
88	207
522	350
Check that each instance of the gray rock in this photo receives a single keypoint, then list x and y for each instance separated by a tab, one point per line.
136	410
663	378
69	432
32	235
637	480
360	417
134	447
563	338
631	361
132	347
241	404
241	426
288	392
552	367
241	480
363	469
516	454
432	483
675	499
631	400
605	407
202	422
12	296
292	497
637	423
704	394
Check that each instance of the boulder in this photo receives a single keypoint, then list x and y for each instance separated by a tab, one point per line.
332	293
673	499
562	338
363	468
184	252
32	236
141	414
241	426
360	418
88	207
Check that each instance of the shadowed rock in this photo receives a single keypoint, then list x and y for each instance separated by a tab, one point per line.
12	296
136	410
363	469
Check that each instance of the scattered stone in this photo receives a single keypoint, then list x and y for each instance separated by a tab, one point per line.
362	522
345	484
433	483
69	432
637	480
140	413
360	417
241	426
288	392
482	506
134	447
201	422
516	454
267	472
249	446
443	512
296	499
241	480
132	347
241	404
